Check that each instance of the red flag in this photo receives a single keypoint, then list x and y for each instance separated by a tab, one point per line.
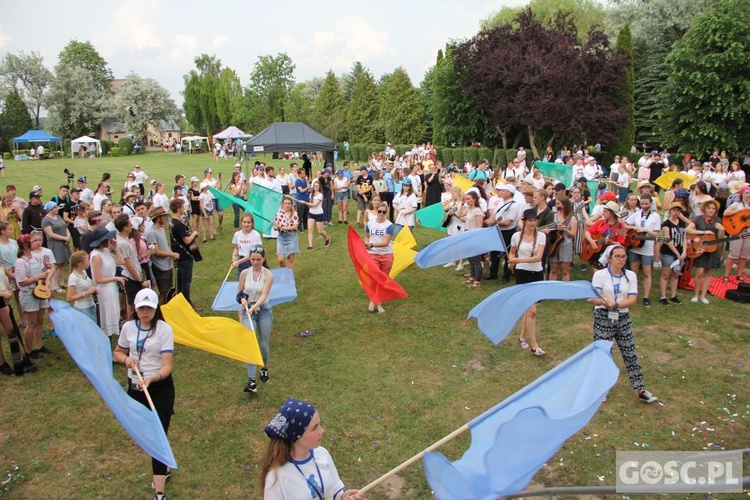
378	286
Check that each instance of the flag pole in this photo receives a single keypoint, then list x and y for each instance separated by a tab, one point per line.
145	390
228	273
416	457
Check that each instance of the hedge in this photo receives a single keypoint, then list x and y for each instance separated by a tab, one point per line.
114	151
107	146
126	146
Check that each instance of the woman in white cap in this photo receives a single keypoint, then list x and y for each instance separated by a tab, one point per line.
103	267
146	343
296	464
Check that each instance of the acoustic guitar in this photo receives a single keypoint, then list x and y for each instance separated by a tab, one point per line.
735	224
557	237
14	337
696	245
41	289
589	252
634	239
195	251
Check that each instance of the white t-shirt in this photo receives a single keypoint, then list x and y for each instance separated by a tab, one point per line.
98	199
317	209
247	241
378	232
508	210
208	200
652	222
613	287
405	203
146	346
526	250
82	283
623	180
296	480
87	196
161	200
140	177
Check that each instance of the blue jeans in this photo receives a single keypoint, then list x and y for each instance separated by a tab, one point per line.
262	320
90	312
184	277
237	211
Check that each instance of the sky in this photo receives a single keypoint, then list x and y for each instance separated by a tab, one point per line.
160	39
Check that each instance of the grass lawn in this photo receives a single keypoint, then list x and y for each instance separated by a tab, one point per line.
386	386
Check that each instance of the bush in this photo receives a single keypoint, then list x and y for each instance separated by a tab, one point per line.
459	157
486	153
114	151
6	156
107	146
445	154
126	146
472	154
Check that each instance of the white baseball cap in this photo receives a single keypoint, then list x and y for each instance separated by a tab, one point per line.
508	187
146	298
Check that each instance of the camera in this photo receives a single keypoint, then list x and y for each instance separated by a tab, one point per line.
70	175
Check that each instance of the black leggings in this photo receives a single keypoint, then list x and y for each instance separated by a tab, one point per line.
476	267
162	394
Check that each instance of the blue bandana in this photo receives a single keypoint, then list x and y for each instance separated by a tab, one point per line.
291	421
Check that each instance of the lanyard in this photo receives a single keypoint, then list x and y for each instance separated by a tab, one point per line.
615	286
311	483
138	339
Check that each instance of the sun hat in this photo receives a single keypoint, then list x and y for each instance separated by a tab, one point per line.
291	422
675	204
146	298
607	196
613	207
157	212
736	186
644	183
530	213
706	203
100	235
194	179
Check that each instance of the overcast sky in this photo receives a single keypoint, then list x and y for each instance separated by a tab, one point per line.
159	39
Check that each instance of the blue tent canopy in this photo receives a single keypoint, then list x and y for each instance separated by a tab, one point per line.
36	136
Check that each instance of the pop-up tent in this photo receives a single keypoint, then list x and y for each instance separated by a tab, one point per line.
35	137
290	136
195	143
85	146
231	132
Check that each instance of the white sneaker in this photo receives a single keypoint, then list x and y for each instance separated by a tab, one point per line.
704	300
449	264
459	267
694	300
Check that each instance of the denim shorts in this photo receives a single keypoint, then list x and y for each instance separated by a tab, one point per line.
646	260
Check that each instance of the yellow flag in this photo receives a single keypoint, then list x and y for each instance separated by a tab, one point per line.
462	182
223	336
403	255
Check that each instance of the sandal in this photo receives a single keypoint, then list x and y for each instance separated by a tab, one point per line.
476	284
538	351
725	279
524	344
467	275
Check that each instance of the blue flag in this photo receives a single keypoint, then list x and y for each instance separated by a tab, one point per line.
90	349
283	289
460	246
511	441
498	314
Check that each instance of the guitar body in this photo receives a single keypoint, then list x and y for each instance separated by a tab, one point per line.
631	240
735	224
696	245
557	238
41	290
15	345
589	251
195	251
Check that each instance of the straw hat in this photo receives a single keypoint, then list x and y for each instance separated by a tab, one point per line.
735	186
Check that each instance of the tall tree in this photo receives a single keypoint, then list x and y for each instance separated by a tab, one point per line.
84	55
27	74
75	102
709	82
299	104
14	119
329	111
400	109
228	97
626	99
200	94
362	114
348	79
584	14
140	102
271	81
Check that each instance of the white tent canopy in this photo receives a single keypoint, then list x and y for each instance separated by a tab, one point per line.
231	132
87	146
192	142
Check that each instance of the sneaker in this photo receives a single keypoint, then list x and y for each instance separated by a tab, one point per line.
524	344
28	365
44	350
663	301
704	300
646	302
328	242
538	351
676	300
460	267
646	396
263	375
694	300
160	496
5	369
251	386
449	264
34	355
346	222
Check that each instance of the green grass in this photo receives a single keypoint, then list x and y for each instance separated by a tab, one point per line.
387	386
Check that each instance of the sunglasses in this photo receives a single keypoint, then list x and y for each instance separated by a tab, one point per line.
382	211
256	249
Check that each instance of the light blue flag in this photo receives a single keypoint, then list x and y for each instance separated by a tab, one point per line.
498	314
90	349
563	173
460	246
511	441
283	289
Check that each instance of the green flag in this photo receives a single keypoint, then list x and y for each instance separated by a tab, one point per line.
432	216
562	173
262	202
594	188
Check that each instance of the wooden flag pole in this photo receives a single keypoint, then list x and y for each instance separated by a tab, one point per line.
416	457
145	390
228	273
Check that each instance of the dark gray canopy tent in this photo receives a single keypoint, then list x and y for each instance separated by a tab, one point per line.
290	136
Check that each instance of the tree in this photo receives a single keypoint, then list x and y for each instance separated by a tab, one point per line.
27	74
228	97
201	92
84	55
329	110
14	119
364	104
584	14
708	89
348	79
300	103
271	81
626	99
139	103
400	109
